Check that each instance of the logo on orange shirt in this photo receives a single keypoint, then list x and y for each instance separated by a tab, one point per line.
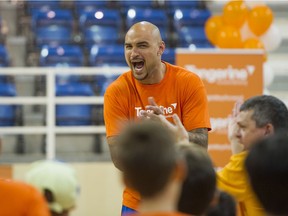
167	111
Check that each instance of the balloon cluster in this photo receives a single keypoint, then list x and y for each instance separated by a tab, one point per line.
243	24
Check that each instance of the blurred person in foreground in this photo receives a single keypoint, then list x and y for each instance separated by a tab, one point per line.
152	165
156	86
199	185
258	118
223	204
21	199
267	167
57	182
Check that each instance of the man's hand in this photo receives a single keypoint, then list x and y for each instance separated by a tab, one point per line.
233	128
178	129
198	136
153	107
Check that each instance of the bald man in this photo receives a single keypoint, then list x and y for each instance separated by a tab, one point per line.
153	85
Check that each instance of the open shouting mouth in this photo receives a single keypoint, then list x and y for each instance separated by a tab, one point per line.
138	65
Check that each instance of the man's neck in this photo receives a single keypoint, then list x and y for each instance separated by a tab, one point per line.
157	75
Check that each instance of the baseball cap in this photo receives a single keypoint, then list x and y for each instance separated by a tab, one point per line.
59	178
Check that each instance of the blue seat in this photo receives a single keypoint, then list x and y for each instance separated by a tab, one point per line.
7	90
53	35
82	6
75	89
42	5
126	5
187	17
107	82
193	35
61	56
176	4
74	114
142	4
100	17
4	56
102	81
7	112
100	27
59	17
4	79
169	55
156	16
4	62
109	55
100	35
99	81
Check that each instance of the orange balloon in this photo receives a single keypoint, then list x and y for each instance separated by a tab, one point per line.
260	19
254	43
229	37
212	26
235	13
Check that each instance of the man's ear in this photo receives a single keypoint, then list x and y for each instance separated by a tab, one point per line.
49	195
161	48
269	129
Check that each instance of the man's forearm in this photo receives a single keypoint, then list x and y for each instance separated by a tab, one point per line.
112	143
199	136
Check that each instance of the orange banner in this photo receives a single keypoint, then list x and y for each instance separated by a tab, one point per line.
228	75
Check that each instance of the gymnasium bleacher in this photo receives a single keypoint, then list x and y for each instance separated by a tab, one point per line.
78	33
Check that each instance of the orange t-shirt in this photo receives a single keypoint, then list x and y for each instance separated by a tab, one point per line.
19	198
180	91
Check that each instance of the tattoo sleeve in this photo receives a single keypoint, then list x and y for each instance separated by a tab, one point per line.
199	136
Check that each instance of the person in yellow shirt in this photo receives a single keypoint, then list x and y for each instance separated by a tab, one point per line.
258	118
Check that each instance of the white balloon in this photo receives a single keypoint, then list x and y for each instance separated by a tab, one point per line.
272	38
246	33
268	74
253	3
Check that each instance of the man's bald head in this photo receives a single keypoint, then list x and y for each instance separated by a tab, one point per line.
143	50
148	28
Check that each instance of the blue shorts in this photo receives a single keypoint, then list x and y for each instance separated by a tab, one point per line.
127	211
